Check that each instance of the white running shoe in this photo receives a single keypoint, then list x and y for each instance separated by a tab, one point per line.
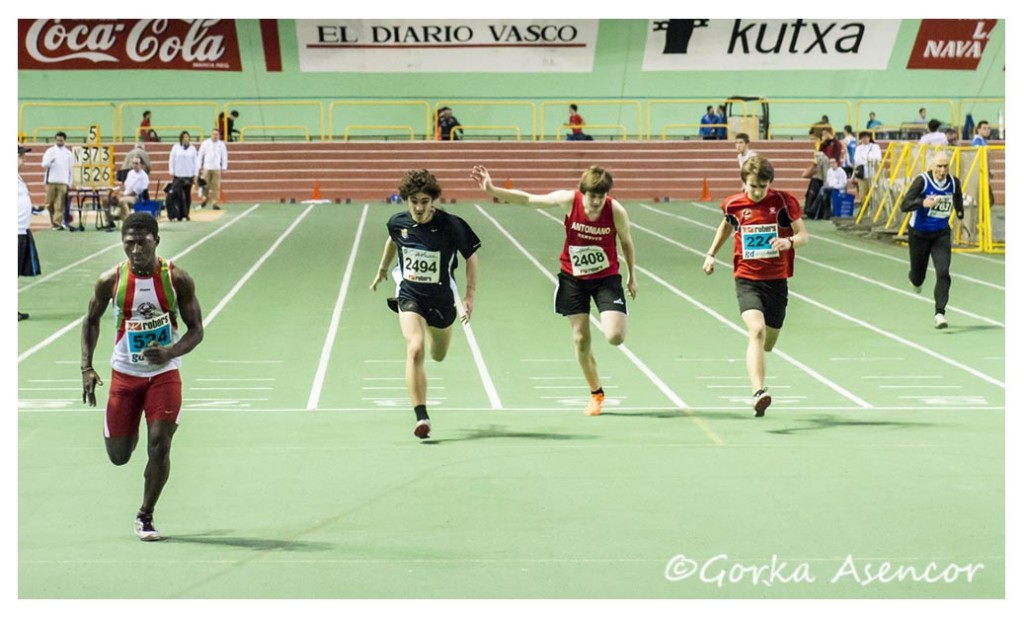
761	401
940	321
144	529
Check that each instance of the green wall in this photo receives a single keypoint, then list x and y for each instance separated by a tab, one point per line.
616	75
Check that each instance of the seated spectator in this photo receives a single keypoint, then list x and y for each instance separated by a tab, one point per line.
934	137
835	180
147	134
138	151
576	125
135	187
707	123
981	134
446	122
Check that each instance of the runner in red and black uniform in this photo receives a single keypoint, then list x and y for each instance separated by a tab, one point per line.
766	227
590	262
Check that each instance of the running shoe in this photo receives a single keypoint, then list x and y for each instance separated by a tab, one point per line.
761	402
422	430
940	321
594	407
144	528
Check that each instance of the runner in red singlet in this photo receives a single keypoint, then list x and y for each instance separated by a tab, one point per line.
590	262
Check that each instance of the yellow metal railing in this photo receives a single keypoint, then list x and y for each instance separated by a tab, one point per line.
428	131
466	108
276	127
903	104
35	132
173	131
962	103
200	106
692	108
486	127
381	127
259	106
589	103
836	124
30	106
621	128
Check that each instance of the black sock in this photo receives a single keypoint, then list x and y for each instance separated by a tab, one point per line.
599	391
421	413
144	514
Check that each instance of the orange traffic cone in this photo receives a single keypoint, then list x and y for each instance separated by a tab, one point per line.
705	194
508	183
316	189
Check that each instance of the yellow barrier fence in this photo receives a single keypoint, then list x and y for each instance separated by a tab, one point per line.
366	109
623	104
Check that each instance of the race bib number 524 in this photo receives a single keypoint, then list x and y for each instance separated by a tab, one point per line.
142	334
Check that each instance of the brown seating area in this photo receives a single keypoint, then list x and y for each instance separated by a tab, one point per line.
270	172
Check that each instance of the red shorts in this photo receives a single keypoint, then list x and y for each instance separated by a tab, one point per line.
159	396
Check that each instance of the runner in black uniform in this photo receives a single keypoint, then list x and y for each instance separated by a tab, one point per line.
428	242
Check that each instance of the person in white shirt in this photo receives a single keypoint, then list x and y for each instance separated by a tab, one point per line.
866	157
28	259
934	137
743	148
213	159
58	162
128	194
184	167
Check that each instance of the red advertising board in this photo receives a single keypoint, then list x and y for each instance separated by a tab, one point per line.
95	44
950	44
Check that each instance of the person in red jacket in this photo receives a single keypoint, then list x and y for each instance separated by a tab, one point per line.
766	228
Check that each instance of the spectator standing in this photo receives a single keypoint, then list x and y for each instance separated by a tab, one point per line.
850	142
146	133
721	132
226	125
448	126
28	258
213	160
707	123
873	122
866	158
576	125
931	200
58	162
830	146
183	165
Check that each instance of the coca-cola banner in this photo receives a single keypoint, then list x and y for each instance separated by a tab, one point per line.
950	44
90	44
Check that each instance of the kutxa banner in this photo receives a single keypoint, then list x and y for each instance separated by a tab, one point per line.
179	44
769	44
446	46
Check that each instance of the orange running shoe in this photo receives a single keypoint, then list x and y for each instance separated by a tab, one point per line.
594	407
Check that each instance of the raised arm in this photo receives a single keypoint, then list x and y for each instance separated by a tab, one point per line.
626	242
390	250
102	293
563	199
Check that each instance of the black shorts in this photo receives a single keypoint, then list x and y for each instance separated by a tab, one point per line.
439	313
573	295
28	259
768	297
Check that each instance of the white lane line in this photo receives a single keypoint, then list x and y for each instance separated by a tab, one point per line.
231	388
246	362
777	351
927	386
844	316
67	268
252	271
919	297
332	331
236	379
57	335
668	392
478	358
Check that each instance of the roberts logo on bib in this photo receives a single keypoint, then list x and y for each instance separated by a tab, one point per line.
757	241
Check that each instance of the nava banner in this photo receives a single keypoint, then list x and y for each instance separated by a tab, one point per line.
951	44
